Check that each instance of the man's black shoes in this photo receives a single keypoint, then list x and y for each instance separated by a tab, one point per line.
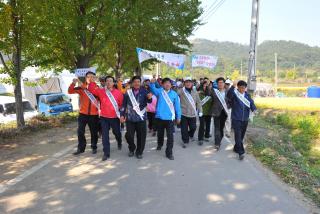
170	157
78	152
139	156
105	157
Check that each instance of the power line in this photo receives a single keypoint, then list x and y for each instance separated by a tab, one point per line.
209	9
211	6
214	10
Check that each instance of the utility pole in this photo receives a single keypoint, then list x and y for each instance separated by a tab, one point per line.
252	65
275	72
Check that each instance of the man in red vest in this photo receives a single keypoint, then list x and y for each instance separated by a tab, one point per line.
110	103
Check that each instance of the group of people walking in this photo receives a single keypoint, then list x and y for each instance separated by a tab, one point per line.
162	106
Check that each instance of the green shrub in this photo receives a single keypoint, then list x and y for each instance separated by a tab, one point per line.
36	123
290	150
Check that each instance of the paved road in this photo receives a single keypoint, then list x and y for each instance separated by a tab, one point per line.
199	180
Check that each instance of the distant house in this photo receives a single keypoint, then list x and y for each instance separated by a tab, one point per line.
264	90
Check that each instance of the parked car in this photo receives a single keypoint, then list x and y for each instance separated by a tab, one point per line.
8	109
53	104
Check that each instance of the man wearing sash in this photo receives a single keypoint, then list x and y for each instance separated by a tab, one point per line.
228	122
110	103
219	110
88	113
190	108
168	111
241	105
205	120
133	112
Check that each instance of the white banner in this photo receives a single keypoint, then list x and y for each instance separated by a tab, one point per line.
173	60
81	72
204	61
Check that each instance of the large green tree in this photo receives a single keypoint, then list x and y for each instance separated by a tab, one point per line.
62	34
155	25
82	33
71	33
15	41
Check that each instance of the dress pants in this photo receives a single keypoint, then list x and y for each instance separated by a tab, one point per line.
167	125
141	129
92	121
188	128
106	124
240	128
219	123
204	128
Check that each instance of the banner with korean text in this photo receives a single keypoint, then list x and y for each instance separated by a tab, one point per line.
204	61
174	60
81	72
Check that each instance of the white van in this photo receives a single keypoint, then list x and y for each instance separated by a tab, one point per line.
8	109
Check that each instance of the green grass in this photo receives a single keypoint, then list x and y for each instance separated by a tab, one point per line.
7	94
304	130
290	149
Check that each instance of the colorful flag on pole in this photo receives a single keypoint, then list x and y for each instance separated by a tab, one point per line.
173	60
204	61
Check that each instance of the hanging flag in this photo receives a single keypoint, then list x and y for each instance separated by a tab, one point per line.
204	61
81	72
173	60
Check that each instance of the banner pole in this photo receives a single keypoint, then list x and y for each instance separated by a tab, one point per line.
192	71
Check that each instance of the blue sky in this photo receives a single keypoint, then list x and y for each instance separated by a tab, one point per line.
297	20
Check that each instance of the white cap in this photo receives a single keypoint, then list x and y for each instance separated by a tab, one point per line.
228	81
188	79
126	81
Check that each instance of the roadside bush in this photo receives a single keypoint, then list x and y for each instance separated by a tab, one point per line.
10	130
290	147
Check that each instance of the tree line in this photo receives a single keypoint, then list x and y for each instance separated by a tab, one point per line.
294	59
70	34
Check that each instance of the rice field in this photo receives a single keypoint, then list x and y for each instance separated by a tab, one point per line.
288	103
288	88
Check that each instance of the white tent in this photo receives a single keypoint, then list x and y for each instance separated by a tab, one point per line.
33	74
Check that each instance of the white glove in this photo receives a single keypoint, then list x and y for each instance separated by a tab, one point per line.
200	114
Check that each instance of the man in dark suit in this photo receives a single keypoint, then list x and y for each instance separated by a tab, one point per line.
241	104
219	110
